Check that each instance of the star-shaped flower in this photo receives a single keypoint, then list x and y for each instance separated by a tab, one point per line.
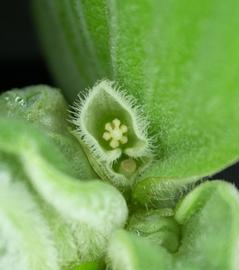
114	133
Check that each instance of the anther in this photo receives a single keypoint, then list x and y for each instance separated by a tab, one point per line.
115	133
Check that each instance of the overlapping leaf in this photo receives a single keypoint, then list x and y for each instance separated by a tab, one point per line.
78	215
209	221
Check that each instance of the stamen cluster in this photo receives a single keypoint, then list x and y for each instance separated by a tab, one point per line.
115	133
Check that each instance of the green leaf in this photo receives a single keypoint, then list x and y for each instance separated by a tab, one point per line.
127	251
158	226
26	241
75	39
57	230
209	221
161	192
46	108
178	58
91	209
90	266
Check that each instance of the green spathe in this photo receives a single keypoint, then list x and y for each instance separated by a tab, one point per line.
113	132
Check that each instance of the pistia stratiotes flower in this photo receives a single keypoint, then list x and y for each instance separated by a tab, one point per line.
119	187
114	135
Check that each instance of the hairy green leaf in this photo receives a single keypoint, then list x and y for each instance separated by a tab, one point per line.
26	241
92	210
46	108
209	221
158	226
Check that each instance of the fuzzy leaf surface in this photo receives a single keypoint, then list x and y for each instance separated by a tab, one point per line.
180	59
209	222
46	108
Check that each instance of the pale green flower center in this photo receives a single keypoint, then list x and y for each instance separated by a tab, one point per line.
115	133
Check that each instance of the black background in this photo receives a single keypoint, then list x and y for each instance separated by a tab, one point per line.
22	64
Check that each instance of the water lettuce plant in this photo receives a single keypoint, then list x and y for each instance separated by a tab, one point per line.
117	180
